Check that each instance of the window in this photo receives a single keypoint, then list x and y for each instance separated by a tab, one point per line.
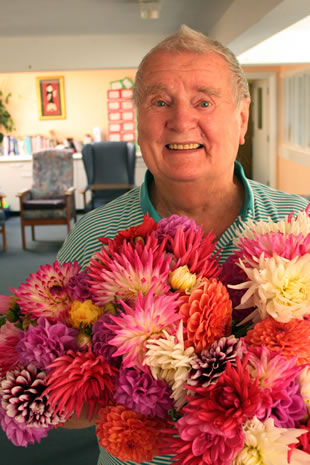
296	109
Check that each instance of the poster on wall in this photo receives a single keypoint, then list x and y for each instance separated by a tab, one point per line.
51	99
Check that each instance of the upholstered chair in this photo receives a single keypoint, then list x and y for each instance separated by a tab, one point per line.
50	201
110	171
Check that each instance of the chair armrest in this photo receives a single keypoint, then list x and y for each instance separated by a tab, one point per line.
83	191
22	194
103	187
70	190
2	196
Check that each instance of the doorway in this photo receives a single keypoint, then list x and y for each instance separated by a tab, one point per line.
258	154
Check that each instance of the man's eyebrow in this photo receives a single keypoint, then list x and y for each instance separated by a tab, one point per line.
213	91
153	89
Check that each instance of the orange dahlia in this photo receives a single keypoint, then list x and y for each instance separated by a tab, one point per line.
291	339
128	435
207	314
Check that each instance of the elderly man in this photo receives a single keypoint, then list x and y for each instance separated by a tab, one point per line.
192	103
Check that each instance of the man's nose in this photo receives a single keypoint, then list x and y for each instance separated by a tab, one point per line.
182	118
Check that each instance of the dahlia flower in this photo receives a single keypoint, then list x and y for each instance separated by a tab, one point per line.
140	232
41	344
20	434
170	361
83	314
191	247
266	444
287	338
270	244
195	445
23	398
207	314
225	405
134	327
77	379
128	435
300	224
278	287
142	393
210	364
181	279
6	303
168	226
278	380
304	383
101	335
45	292
78	287
9	337
127	272
232	274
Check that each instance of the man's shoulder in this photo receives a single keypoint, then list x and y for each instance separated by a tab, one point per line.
275	203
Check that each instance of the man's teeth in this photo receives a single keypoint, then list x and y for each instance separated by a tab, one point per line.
183	146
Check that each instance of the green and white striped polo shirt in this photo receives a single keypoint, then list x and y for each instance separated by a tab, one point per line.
260	204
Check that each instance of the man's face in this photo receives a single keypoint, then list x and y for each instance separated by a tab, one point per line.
189	125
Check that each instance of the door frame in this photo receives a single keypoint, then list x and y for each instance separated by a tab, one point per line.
272	155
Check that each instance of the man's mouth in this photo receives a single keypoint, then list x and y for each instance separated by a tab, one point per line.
193	146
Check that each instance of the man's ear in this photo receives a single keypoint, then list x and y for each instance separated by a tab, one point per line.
244	108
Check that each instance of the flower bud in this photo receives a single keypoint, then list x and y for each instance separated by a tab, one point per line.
181	278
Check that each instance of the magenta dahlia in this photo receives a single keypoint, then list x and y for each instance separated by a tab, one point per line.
79	287
101	336
41	344
9	337
142	393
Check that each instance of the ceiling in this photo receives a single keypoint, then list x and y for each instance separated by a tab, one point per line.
93	17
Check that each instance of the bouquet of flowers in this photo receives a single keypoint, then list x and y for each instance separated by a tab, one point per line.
169	352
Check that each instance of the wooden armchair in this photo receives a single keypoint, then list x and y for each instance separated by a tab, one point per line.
51	199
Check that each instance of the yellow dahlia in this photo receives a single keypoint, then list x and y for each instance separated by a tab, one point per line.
182	279
84	314
292	339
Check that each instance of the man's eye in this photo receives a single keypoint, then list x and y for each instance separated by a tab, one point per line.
160	103
204	104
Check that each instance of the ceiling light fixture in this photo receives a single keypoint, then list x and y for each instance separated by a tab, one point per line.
149	9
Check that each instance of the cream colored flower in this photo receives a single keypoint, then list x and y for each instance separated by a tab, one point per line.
289	225
182	279
171	362
304	383
267	445
278	287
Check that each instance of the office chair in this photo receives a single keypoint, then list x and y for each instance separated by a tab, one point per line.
2	221
110	171
51	199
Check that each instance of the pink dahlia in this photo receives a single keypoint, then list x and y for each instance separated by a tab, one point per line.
142	393
193	248
45	292
168	226
20	434
79	379
133	327
225	405
123	274
195	445
9	337
6	303
41	344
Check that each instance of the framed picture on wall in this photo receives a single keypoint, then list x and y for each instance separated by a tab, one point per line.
51	98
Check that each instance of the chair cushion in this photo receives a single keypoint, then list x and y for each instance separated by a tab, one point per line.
44	204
